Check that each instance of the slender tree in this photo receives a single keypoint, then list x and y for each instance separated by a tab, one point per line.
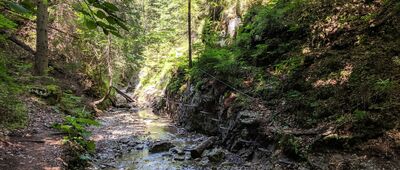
41	56
190	33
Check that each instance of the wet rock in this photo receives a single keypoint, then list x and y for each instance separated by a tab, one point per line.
139	147
125	140
187	156
248	117
132	143
205	161
227	163
162	146
121	101
179	157
177	151
215	155
199	149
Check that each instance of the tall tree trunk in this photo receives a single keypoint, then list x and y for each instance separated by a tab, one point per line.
41	56
190	33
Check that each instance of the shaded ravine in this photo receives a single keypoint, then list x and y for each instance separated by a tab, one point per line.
125	138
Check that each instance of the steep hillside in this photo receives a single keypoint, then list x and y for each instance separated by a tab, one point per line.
315	82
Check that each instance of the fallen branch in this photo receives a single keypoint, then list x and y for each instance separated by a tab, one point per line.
128	98
95	103
15	40
33	141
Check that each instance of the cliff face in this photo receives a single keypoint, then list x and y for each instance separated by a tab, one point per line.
313	81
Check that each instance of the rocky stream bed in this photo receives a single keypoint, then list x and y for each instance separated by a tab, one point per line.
138	139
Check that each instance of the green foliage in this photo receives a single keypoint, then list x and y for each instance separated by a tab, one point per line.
359	114
177	81
209	35
270	30
101	14
6	23
13	113
291	146
75	126
384	85
219	61
288	66
73	105
24	7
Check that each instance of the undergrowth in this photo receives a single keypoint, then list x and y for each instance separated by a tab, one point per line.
284	55
74	125
13	112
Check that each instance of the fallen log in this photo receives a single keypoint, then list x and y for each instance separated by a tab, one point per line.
128	98
199	149
15	40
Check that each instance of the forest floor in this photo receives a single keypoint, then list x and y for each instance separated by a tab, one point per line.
38	145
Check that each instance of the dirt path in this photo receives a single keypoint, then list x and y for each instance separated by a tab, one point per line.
37	146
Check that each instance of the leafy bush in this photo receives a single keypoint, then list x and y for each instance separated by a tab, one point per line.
270	30
75	128
77	135
216	60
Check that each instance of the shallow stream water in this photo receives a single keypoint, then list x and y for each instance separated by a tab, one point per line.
142	128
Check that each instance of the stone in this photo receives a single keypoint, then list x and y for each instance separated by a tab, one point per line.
205	161
199	149
248	117
177	151
125	140
162	146
179	158
139	147
215	155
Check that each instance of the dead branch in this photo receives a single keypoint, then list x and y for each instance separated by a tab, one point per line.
15	40
128	98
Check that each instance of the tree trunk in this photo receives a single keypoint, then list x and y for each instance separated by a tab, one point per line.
190	33
41	56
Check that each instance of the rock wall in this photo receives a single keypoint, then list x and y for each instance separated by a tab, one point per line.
212	109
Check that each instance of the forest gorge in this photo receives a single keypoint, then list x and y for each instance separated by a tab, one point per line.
199	84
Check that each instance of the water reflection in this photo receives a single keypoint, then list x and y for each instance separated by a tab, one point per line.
159	129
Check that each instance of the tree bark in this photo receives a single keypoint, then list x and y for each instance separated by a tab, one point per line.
42	51
190	33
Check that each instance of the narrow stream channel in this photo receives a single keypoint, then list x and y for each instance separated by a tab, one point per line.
125	137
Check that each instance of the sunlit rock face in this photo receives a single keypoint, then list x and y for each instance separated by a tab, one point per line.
233	26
